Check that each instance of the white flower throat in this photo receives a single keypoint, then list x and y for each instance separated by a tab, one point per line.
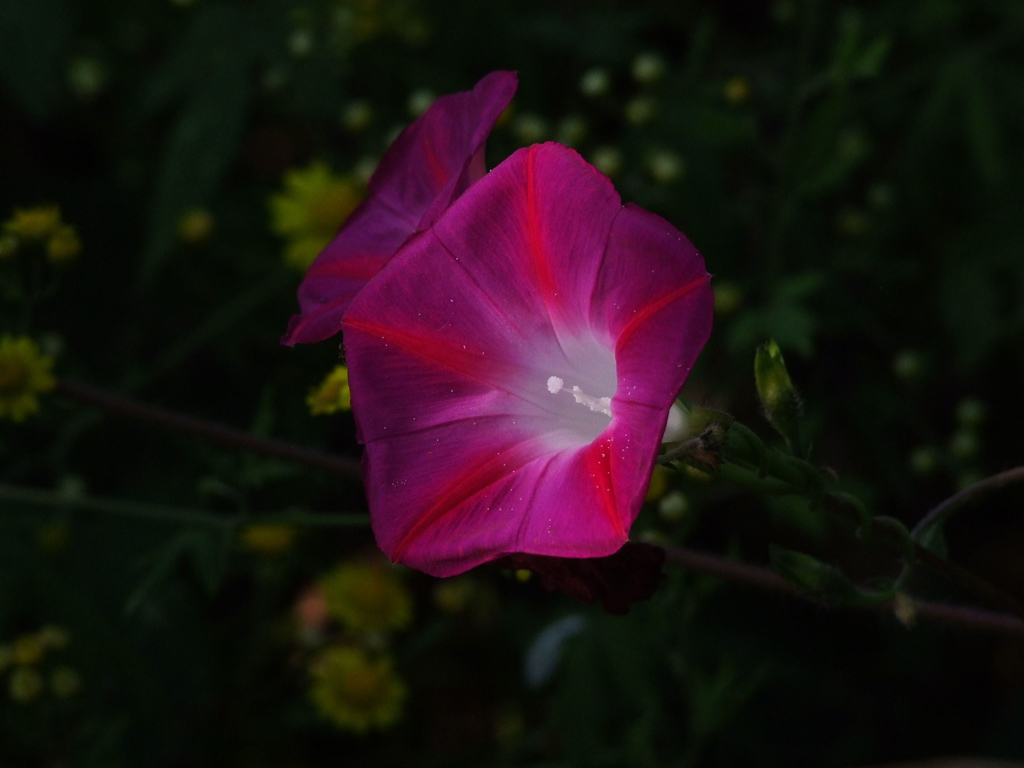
676	427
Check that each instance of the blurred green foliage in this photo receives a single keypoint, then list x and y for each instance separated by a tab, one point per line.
848	171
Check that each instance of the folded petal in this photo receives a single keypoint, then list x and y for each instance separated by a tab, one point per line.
430	164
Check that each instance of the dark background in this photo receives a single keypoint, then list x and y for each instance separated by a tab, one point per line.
856	194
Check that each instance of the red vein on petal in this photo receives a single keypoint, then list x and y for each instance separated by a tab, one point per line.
598	461
642	315
459	360
472	483
489	371
540	264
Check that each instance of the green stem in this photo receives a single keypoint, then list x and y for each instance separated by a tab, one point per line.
955	615
938	516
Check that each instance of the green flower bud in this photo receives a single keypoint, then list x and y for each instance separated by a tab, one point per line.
778	396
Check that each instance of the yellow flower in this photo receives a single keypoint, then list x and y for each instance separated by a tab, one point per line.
28	650
63	244
310	210
267	539
24	373
737	90
34	223
332	394
25	684
356	692
195	225
367	596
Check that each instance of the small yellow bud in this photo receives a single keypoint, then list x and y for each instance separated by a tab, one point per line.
736	90
648	68
852	222
905	610
728	297
908	365
357	116
572	130
63	244
86	77
608	160
300	42
641	110
54	638
266	539
673	508
195	226
420	101
25	684
666	167
595	82
523	575
659	483
970	413
530	128
27	650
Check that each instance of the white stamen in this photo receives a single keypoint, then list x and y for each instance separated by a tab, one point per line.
596	404
555	385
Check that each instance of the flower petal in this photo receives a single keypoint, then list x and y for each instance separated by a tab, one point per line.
535	273
430	164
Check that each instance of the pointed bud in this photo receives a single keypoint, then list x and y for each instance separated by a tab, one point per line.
778	396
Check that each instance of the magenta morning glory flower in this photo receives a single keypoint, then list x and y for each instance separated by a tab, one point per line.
512	368
431	163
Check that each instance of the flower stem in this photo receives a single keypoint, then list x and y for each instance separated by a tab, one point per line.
938	515
179	515
208	431
764	578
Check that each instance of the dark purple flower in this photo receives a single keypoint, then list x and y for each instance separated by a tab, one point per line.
428	166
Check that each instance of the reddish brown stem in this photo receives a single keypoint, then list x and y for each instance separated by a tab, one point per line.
208	431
